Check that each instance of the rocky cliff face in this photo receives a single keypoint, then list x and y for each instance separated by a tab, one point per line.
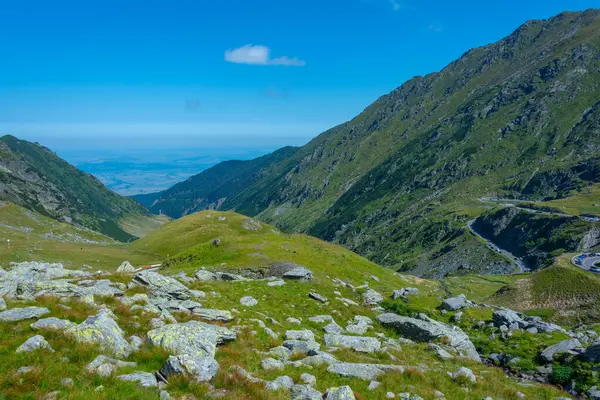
537	238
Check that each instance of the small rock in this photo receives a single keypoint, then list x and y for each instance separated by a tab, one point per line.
36	342
248	301
339	393
318	297
464	375
144	379
308	379
372	297
271	364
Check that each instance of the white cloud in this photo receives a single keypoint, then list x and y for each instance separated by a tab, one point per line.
259	55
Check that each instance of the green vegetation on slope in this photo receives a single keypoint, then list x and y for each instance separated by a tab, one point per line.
34	237
36	178
562	292
399	181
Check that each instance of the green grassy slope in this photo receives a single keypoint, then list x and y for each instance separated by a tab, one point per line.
35	237
212	187
189	241
36	178
562	292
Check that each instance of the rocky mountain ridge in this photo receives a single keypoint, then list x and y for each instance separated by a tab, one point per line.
398	183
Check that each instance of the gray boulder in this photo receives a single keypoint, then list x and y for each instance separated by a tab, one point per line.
36	342
318	297
333	328
126	267
192	337
192	366
204	275
301	346
372	297
425	329
212	314
248	301
281	382
161	286
357	343
464	375
404	292
305	392
455	303
21	314
368	372
271	364
303	334
592	353
105	366
101	329
549	352
143	379
340	393
301	274
506	317
52	324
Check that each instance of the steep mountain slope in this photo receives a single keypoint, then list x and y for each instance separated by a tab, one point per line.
212	187
36	178
398	183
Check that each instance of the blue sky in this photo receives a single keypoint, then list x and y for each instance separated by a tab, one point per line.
268	71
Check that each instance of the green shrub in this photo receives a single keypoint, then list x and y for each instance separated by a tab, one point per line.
561	374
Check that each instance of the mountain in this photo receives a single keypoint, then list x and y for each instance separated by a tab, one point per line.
36	178
399	183
212	187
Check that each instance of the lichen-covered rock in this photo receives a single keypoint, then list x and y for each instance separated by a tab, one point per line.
204	275
464	376
301	346
305	392
51	324
248	301
320	359
192	337
105	366
303	334
368	372
339	393
372	297
270	364
136	343
161	286
357	343
359	325
36	342
192	366
143	379
281	382
212	314
425	329
333	328
21	314
103	330
126	267
2	304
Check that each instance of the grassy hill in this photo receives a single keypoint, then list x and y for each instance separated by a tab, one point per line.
36	178
399	182
35	237
561	292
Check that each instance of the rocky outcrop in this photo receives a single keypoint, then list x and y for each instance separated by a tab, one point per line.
425	329
160	286
102	330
